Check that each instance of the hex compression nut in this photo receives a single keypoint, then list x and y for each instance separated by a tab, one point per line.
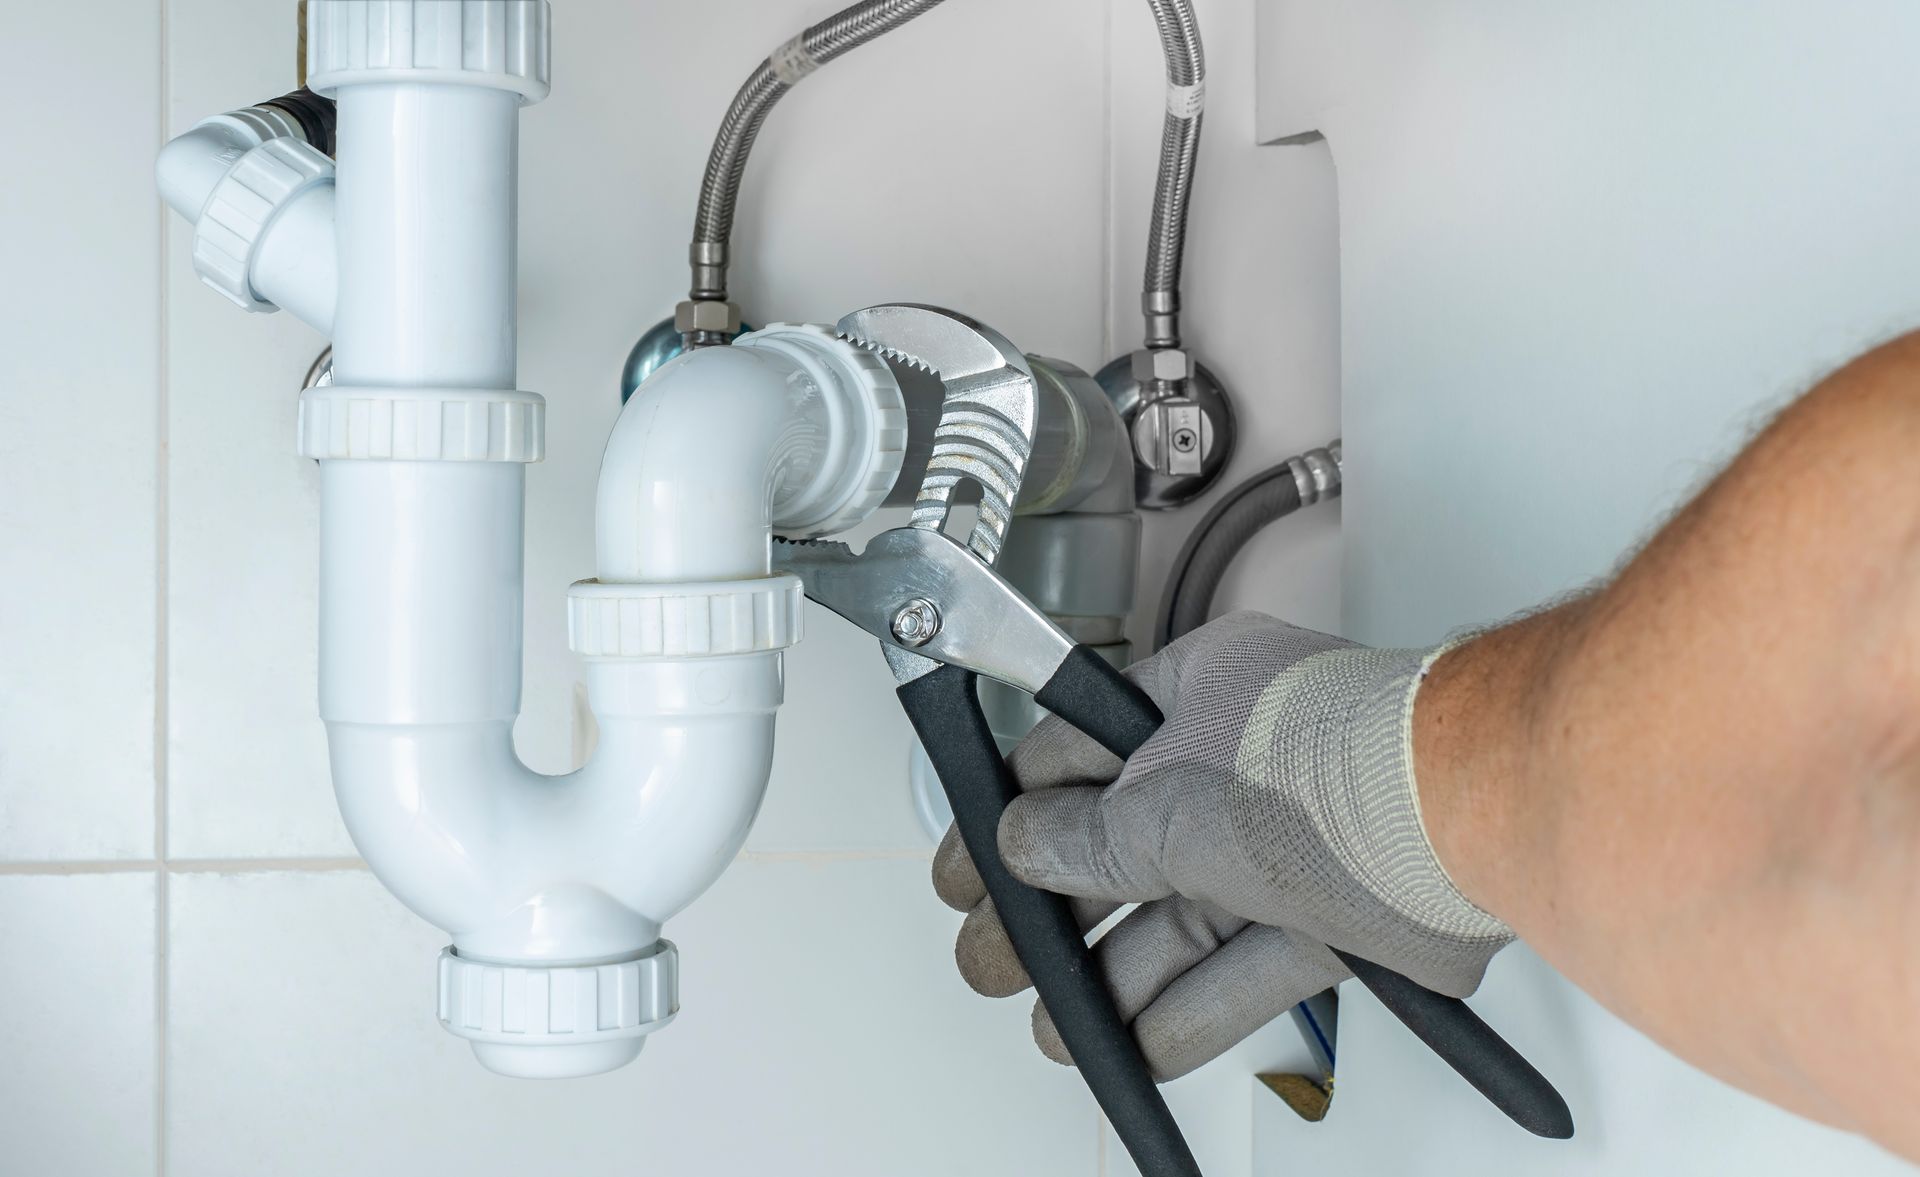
718	318
1169	364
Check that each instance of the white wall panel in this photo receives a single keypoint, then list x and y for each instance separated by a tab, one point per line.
1586	249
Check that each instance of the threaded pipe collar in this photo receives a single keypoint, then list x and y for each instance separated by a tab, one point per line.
503	44
707	619
1316	474
344	423
553	1022
868	443
242	206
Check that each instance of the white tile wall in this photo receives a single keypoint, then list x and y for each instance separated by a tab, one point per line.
78	396
825	1029
78	1084
246	756
824	1032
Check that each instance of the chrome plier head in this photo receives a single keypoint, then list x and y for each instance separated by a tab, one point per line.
988	413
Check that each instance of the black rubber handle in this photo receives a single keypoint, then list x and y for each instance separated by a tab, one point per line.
1096	698
1089	693
945	709
1454	1032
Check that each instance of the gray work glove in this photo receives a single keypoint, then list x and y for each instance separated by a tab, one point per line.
1274	814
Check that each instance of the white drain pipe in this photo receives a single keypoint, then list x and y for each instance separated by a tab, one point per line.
554	890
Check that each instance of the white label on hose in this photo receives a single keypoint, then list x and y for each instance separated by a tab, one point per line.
1186	102
791	62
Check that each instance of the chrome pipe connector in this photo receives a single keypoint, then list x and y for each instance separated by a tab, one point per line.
1317	474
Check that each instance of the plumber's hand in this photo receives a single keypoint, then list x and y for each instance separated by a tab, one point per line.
1273	815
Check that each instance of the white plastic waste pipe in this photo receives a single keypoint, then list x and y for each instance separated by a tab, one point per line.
542	882
421	564
295	264
553	890
426	191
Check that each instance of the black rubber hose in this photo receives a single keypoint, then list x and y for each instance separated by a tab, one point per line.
1203	562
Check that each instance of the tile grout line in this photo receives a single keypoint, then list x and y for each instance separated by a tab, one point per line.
161	929
247	866
128	866
262	866
162	901
188	866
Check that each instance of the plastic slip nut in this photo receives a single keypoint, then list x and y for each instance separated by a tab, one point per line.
885	454
559	1006
341	423
243	203
505	44
697	620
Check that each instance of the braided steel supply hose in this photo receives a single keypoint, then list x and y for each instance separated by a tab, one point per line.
839	34
1179	152
858	24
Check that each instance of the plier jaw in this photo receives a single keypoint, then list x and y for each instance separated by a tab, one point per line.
929	601
989	411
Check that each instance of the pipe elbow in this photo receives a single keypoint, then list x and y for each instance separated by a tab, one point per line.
686	751
526	868
421	804
790	428
191	165
260	198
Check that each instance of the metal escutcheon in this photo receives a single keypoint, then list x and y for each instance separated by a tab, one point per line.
1198	438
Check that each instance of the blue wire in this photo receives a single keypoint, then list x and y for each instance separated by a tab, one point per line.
1306	1015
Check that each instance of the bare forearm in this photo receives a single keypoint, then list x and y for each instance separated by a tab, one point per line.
1697	791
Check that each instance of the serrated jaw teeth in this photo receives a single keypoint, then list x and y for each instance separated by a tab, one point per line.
828	546
891	353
